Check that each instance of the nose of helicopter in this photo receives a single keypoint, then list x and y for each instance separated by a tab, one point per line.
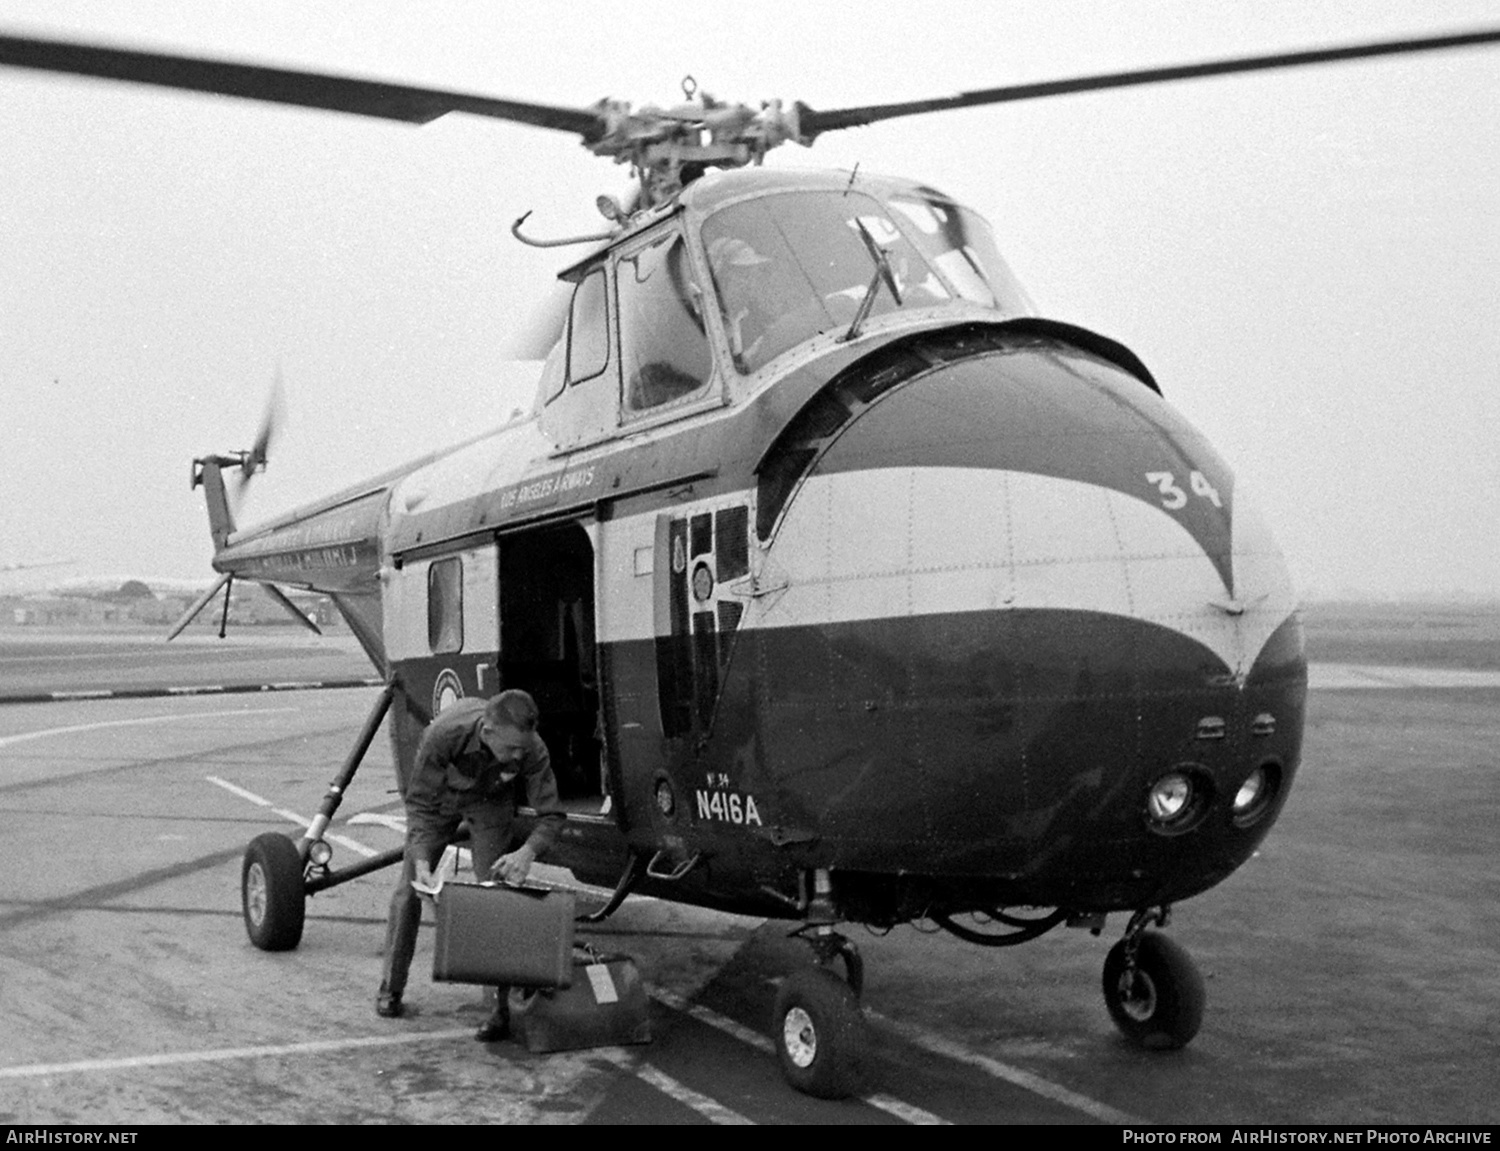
1035	589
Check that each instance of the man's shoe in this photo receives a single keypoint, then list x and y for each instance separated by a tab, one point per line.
494	1029
388	1005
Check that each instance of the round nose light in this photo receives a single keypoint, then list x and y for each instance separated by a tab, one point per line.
319	853
1170	797
1250	791
1257	795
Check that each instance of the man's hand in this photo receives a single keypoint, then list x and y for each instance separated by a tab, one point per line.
515	867
424	874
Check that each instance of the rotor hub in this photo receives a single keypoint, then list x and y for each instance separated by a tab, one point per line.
664	146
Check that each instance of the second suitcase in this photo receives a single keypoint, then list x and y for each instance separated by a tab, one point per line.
492	934
605	1006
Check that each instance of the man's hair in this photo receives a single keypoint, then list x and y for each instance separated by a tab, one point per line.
512	708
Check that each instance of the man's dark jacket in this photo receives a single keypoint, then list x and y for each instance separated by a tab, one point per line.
454	773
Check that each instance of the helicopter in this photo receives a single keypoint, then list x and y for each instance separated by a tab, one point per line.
779	675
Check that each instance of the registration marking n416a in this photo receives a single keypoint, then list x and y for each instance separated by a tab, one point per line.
728	807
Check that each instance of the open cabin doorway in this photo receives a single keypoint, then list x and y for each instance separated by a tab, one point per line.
547	647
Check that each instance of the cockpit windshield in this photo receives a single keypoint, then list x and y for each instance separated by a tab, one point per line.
962	248
791	265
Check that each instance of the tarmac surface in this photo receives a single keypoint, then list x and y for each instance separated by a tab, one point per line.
1351	965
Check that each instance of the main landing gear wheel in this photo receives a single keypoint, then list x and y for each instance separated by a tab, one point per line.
820	1034
1159	1002
272	894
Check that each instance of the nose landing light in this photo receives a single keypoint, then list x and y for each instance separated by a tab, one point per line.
1169	798
1254	797
1178	799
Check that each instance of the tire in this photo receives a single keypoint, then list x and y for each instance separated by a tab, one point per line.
1160	1006
272	896
820	1034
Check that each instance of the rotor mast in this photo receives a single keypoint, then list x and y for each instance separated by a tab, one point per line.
661	145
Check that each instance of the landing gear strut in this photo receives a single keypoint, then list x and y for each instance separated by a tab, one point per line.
279	873
818	1026
827	946
1152	987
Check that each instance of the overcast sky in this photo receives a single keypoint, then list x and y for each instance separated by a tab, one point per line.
1309	261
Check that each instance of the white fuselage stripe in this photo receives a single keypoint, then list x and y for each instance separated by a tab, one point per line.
912	541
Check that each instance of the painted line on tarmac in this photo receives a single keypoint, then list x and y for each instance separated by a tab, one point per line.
6	741
1013	1075
710	1109
353	845
887	1103
395	823
1354	677
225	1054
189	689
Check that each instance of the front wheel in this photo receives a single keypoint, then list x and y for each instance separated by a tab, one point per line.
1158	1003
272	894
820	1034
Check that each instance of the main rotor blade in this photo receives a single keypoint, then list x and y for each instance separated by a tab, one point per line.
812	122
284	86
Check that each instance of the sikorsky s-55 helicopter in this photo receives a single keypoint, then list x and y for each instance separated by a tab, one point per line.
852	590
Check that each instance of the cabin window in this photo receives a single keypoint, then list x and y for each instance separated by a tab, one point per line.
588	329
664	350
445	606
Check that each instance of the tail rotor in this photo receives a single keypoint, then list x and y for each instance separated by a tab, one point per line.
271	422
208	471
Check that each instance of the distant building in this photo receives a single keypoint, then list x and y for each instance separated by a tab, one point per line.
249	606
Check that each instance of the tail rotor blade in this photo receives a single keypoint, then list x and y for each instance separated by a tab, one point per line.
271	423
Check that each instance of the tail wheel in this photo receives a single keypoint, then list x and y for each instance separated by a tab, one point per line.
820	1034
1157	1002
272	894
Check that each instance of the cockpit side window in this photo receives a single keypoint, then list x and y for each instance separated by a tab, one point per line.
664	352
792	265
588	329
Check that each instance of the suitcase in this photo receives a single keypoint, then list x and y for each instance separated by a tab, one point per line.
493	934
604	1006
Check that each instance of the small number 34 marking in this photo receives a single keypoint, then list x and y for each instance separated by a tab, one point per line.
1173	498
